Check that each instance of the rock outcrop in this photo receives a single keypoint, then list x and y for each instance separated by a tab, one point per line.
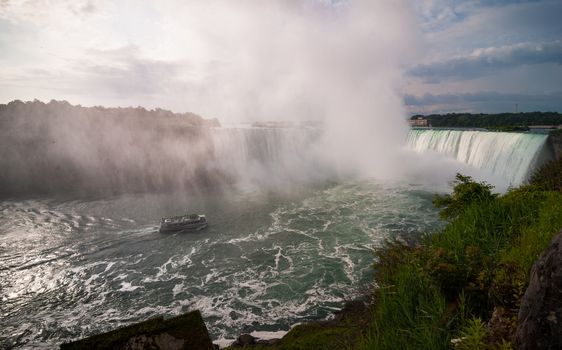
340	332
540	315
555	139
244	340
187	331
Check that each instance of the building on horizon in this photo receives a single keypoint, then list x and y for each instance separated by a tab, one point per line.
419	122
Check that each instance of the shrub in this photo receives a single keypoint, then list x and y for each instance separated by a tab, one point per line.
549	176
465	192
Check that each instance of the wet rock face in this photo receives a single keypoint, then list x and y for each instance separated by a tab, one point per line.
540	315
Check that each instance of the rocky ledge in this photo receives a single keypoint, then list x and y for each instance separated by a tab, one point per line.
187	331
340	332
540	315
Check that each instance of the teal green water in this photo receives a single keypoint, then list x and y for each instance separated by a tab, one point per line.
72	268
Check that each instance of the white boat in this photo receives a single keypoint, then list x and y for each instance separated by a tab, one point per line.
193	222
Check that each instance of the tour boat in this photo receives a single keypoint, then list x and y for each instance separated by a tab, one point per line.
186	222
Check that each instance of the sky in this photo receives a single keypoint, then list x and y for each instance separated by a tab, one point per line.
220	58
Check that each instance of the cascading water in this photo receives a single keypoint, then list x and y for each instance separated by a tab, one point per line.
513	156
258	154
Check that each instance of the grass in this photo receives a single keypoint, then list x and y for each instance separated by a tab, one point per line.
315	336
342	332
442	293
410	314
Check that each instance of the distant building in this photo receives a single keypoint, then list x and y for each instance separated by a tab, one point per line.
419	122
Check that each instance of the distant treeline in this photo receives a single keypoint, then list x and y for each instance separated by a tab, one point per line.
62	109
469	120
56	147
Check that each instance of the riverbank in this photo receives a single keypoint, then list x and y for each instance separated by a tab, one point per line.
343	331
464	285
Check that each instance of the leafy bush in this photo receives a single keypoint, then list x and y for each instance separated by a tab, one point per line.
549	176
465	192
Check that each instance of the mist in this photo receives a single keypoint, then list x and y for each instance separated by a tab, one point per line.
334	66
340	64
57	148
337	63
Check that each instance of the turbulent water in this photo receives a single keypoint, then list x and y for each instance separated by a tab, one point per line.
509	155
72	268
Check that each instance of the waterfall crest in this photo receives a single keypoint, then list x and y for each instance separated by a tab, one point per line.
512	156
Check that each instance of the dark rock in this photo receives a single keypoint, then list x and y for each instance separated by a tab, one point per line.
244	340
555	140
354	309
187	331
540	315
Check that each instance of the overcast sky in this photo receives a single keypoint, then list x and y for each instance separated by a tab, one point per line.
478	56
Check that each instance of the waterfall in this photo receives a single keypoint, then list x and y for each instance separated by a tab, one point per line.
512	156
265	154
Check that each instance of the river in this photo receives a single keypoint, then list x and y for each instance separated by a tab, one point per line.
76	267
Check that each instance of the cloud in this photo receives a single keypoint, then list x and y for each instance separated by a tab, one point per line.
40	11
126	71
512	47
439	15
484	61
113	74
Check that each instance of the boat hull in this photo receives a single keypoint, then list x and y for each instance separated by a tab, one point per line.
180	228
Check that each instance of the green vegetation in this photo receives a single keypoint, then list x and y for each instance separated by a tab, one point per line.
461	287
327	335
549	176
465	192
315	336
509	128
501	121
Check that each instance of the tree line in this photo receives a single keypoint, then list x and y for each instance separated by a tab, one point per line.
470	120
58	148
